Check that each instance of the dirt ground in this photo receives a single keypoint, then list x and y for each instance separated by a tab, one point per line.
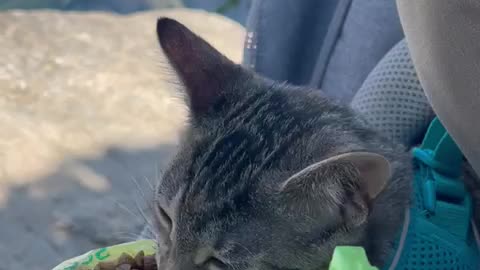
88	112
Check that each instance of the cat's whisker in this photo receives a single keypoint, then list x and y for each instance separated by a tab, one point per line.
132	235
146	200
144	216
126	236
150	232
158	175
150	185
124	208
135	216
139	188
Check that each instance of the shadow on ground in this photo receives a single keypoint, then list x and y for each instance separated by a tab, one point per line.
84	204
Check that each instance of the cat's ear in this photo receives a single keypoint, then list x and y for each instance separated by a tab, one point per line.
204	71
346	183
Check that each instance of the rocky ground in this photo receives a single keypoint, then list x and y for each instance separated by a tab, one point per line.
87	104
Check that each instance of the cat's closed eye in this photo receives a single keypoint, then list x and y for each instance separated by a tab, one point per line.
163	220
213	263
207	260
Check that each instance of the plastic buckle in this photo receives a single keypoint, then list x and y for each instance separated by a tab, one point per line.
448	203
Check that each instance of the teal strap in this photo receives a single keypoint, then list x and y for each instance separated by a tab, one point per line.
445	198
439	152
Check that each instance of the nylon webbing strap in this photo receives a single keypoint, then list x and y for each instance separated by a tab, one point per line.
445	198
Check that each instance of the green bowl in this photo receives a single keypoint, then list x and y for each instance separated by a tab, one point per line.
107	254
344	257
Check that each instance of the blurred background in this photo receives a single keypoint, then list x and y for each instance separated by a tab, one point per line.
235	9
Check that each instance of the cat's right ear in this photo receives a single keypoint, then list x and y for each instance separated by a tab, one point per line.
204	71
345	183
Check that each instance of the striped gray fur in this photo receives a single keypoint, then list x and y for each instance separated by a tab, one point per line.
247	135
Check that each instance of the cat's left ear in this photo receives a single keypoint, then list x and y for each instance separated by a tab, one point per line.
347	182
204	71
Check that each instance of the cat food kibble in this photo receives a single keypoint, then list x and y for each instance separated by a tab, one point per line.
127	262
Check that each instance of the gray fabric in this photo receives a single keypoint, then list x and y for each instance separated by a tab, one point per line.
392	99
330	41
444	38
328	44
370	30
285	36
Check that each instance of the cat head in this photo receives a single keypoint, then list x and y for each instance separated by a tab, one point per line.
267	176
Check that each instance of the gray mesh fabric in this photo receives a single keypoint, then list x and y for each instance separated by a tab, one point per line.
392	99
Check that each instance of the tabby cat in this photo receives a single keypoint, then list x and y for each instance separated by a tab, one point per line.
269	175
